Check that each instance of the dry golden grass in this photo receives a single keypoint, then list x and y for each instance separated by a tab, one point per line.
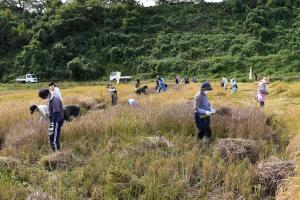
38	195
114	144
238	149
271	174
58	160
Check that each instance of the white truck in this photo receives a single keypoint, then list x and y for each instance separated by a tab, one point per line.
29	78
113	77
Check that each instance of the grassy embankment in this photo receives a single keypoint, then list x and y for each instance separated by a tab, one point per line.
113	153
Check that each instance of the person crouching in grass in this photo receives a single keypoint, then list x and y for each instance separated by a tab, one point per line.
55	114
203	111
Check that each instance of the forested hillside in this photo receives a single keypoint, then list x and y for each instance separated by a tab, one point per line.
84	40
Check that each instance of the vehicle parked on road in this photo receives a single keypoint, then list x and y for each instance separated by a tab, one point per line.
113	77
29	78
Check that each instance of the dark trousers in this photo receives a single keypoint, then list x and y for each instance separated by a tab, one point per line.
203	125
255	78
76	112
262	104
113	101
54	138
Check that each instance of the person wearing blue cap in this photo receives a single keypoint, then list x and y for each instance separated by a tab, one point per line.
203	111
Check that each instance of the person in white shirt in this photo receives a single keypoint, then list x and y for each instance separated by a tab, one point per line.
225	82
113	92
132	102
41	109
55	90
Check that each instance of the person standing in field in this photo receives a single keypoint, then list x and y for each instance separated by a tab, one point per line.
162	87
194	80
234	86
255	75
262	91
113	92
176	80
203	111
56	116
55	90
162	79
157	82
169	81
225	82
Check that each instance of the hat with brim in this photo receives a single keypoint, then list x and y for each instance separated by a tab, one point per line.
266	81
32	108
205	86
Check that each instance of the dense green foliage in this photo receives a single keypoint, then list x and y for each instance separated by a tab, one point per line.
84	39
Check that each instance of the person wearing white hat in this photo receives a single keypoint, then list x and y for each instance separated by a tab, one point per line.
262	91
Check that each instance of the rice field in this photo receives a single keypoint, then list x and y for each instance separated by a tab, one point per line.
149	151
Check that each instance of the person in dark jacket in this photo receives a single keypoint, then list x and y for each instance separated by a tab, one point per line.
157	82
255	75
71	110
55	114
186	80
139	89
203	111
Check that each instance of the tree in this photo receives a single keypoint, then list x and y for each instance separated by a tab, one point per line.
21	5
15	5
38	5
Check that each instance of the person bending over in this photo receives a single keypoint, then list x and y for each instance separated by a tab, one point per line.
71	110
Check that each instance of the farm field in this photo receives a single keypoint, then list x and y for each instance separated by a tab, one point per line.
149	151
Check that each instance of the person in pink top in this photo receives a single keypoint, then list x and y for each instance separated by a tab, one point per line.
178	78
262	91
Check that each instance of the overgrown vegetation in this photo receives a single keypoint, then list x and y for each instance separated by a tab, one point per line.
83	39
148	151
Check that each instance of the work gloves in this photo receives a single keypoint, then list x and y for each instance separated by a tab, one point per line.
209	113
51	129
213	111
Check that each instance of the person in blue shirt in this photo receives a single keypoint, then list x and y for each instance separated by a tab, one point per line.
55	114
203	111
162	86
234	86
